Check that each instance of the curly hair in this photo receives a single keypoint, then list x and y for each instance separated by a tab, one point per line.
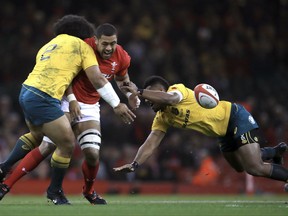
153	80
74	25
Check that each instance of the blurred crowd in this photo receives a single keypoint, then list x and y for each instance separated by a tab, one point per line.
238	46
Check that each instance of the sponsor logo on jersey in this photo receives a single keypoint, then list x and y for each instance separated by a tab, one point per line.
187	115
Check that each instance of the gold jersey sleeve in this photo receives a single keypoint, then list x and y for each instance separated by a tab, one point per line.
188	114
58	62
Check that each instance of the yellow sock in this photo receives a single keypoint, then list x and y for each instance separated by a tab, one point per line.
59	161
29	141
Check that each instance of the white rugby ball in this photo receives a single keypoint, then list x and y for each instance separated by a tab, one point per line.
206	96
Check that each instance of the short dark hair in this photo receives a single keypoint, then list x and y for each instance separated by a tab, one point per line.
152	80
74	25
106	29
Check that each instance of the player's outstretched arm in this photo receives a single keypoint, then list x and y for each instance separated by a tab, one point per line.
144	152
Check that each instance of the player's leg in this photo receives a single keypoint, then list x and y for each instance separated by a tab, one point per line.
250	157
23	146
90	141
88	134
274	154
63	137
29	163
26	165
233	161
44	116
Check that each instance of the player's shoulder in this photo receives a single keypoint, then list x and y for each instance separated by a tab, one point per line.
66	37
181	89
177	86
121	56
121	52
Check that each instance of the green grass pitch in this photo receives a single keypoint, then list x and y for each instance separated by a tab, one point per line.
138	205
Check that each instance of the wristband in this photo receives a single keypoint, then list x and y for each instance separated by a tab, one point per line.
128	94
140	91
71	97
135	165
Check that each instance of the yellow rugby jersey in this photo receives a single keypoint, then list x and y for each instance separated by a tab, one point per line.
58	62
190	115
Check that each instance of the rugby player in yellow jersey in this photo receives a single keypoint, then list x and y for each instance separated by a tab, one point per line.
231	123
57	63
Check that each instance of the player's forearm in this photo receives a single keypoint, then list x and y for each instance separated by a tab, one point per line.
149	146
157	96
143	154
103	86
109	95
123	81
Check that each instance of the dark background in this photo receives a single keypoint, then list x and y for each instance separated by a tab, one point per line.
237	46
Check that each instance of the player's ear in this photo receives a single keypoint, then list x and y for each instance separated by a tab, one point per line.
95	38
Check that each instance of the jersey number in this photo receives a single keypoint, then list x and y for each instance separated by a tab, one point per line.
46	54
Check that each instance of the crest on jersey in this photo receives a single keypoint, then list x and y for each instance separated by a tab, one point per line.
113	64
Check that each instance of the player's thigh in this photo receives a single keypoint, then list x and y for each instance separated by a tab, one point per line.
82	126
60	132
233	161
250	156
36	131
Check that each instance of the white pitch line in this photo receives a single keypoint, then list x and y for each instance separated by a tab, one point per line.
195	202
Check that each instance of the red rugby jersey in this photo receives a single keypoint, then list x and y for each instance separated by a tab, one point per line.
117	64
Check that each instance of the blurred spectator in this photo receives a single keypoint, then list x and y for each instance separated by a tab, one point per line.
238	46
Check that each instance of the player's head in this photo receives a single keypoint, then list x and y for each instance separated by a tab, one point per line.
156	83
74	25
106	40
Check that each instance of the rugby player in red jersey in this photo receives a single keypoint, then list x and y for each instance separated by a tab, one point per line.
82	107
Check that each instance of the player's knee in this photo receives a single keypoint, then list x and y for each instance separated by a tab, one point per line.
255	170
91	156
46	148
33	137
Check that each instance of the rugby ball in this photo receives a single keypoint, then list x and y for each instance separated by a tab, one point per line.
206	96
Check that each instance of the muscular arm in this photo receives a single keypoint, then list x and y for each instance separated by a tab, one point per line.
144	152
120	80
157	95
107	93
149	146
95	76
74	107
162	97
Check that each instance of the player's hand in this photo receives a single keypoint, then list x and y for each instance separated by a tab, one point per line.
75	110
131	85
125	113
129	89
134	101
125	168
